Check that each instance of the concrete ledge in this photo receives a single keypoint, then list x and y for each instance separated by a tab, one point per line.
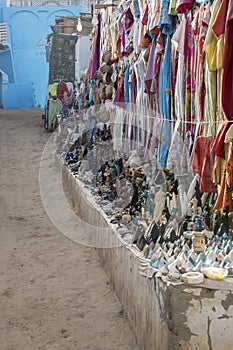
162	316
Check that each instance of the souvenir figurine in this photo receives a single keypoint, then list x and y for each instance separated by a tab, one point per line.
114	169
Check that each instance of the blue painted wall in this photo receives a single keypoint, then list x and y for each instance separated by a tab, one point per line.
6	63
25	59
18	95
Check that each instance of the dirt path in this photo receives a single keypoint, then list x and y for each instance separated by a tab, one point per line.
54	294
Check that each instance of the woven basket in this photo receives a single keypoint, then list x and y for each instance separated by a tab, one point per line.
103	115
103	93
109	91
96	96
104	68
107	76
99	75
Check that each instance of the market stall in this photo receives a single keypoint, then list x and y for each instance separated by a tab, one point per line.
154	152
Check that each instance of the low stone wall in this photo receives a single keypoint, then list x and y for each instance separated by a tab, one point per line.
163	316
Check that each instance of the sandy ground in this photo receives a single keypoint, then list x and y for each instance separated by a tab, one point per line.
54	293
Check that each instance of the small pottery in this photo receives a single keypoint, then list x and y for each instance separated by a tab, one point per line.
215	273
198	241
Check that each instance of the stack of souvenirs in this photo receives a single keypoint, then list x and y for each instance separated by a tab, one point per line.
177	230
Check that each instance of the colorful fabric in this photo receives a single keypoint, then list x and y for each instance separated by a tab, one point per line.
55	107
224	26
94	63
164	105
224	199
203	163
184	5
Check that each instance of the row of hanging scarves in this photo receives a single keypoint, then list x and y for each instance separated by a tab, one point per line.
182	70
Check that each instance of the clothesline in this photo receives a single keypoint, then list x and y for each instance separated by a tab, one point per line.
183	121
197	122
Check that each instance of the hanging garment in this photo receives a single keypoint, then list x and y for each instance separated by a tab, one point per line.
118	117
211	41
119	96
136	36
203	162
125	23
52	90
227	79
177	41
154	10
144	39
139	67
174	163
164	106
55	107
126	84
121	40
210	78
223	26
150	71
113	29
199	29
189	83
132	85
229	135
224	199
128	20
213	50
165	23
63	94
206	86
61	89
70	87
135	9
94	63
68	96
184	5
155	82
172	8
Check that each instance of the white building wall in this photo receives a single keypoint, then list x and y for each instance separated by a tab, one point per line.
82	56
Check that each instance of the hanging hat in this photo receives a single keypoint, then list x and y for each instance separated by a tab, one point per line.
106	57
104	68
107	76
103	92
95	95
99	75
102	115
109	91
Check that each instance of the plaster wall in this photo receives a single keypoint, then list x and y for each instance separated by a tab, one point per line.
163	316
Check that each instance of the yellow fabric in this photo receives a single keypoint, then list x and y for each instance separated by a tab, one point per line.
172	8
229	135
210	101
52	90
219	164
211	45
218	170
114	31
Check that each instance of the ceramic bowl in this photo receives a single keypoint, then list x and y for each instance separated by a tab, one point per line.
215	273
